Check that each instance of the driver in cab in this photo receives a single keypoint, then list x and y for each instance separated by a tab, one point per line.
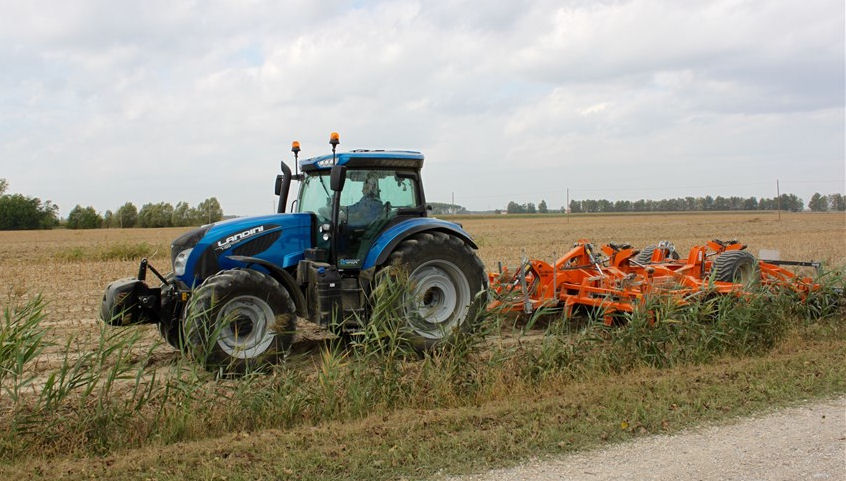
370	206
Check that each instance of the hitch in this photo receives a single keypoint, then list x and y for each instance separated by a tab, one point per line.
142	272
815	265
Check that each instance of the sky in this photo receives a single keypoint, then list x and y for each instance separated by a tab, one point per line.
104	102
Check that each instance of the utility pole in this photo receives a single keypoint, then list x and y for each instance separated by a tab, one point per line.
567	205
452	208
778	200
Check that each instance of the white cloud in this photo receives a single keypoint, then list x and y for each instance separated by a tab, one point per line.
103	102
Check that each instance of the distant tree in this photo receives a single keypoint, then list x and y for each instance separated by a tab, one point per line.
590	205
208	211
542	209
837	202
750	204
84	218
443	208
818	203
515	208
530	208
18	212
182	215
791	202
622	206
155	215
108	219
126	215
575	206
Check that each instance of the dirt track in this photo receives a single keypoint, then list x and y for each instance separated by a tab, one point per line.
807	443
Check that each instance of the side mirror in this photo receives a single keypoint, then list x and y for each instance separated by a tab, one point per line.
338	177
278	188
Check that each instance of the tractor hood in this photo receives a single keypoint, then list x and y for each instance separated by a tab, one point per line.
278	238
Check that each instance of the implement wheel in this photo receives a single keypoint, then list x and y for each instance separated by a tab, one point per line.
739	267
239	320
645	255
445	277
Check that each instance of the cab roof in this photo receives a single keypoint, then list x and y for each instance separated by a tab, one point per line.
406	159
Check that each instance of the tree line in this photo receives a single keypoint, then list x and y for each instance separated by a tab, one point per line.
787	202
822	203
20	212
527	208
161	214
444	208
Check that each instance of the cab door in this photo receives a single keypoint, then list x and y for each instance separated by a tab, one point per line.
372	200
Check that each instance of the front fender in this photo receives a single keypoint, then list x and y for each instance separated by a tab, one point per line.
282	276
390	239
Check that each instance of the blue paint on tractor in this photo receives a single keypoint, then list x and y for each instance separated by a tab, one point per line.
389	239
309	262
224	237
343	158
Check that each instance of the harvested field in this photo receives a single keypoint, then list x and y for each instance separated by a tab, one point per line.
71	268
522	377
802	236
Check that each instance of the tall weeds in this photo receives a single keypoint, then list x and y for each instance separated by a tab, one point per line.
116	396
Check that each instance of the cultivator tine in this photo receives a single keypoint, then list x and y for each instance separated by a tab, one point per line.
527	304
554	277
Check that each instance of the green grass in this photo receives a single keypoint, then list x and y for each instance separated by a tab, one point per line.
414	443
110	252
372	406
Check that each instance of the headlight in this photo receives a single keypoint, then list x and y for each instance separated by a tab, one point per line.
180	262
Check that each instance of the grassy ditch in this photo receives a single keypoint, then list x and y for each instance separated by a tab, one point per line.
372	406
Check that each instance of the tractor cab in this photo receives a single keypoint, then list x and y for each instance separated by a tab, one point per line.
354	197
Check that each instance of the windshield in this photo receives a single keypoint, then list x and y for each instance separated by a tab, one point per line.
316	197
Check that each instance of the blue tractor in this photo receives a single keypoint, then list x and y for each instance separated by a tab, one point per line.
238	286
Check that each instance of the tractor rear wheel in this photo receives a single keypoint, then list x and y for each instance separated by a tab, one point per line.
737	266
445	278
239	320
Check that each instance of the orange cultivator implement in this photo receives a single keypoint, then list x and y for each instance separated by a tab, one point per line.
618	278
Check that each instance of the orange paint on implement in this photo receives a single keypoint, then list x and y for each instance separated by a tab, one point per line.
614	281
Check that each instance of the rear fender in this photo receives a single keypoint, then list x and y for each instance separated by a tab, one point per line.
392	237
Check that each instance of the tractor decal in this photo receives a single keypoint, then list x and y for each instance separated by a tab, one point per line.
222	245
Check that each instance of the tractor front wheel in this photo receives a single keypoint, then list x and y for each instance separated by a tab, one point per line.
239	320
445	279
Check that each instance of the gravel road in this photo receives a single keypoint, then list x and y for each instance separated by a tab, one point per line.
805	443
